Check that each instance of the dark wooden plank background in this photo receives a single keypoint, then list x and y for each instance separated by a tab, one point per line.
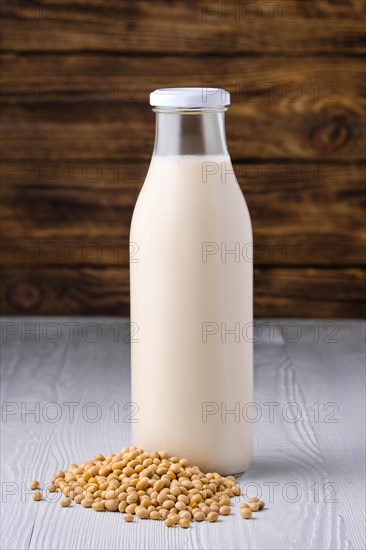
77	133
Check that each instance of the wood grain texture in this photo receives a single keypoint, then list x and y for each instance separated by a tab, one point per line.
278	81
79	212
66	106
335	451
310	472
125	131
77	132
203	27
92	290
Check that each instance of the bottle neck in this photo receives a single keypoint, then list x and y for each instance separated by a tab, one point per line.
190	132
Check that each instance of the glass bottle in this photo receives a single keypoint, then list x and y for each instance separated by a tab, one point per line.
192	290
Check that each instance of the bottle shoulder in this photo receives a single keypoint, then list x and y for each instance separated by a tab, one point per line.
192	191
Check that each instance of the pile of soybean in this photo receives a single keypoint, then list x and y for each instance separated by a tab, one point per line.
148	485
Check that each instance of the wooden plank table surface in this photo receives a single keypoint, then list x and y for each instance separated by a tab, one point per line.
309	455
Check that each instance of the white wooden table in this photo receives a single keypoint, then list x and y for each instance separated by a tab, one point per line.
309	470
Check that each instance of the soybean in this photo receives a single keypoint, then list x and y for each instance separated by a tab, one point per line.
98	506
212	516
184	522
246	513
199	516
141	512
174	517
111	505
151	485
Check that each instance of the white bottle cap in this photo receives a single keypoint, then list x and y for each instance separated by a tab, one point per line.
190	97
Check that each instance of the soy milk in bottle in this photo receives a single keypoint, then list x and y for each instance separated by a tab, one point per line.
192	290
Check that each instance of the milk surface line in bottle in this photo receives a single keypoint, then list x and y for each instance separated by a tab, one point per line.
191	277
